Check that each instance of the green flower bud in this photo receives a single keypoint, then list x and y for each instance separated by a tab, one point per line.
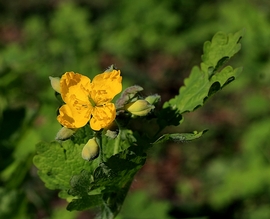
64	133
139	108
128	95
90	151
153	99
55	82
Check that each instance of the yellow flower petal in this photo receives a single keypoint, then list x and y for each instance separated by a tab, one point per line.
74	83
73	118
103	116
105	86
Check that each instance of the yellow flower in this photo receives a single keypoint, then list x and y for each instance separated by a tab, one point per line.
89	101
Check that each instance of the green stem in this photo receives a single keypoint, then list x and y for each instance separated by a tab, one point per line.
117	143
99	142
157	133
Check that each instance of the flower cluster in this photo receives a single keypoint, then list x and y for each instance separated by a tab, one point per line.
87	101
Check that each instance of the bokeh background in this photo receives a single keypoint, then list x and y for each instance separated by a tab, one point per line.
155	43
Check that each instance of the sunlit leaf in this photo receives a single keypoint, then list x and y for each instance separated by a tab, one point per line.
210	77
58	162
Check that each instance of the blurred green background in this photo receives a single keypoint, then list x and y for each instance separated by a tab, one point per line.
225	174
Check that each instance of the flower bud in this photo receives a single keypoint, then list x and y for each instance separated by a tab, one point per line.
139	108
153	99
64	133
128	95
90	151
55	82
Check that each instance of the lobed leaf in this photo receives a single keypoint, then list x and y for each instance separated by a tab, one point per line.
220	50
210	78
58	162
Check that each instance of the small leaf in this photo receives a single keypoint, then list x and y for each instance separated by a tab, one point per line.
180	137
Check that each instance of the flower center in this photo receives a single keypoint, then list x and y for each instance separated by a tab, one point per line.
91	101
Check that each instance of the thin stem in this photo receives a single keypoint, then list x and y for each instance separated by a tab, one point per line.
99	142
117	143
157	133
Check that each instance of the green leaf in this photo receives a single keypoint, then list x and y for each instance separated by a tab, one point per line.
109	184
58	162
220	50
82	135
80	188
168	116
124	140
85	202
225	76
180	137
118	170
193	93
210	78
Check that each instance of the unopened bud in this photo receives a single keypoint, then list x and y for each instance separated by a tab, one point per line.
128	95
139	108
90	151
55	82
153	99
64	133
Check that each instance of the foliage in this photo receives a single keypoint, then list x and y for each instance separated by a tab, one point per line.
154	43
209	79
104	182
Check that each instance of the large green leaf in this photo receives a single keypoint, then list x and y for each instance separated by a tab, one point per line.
58	162
210	78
